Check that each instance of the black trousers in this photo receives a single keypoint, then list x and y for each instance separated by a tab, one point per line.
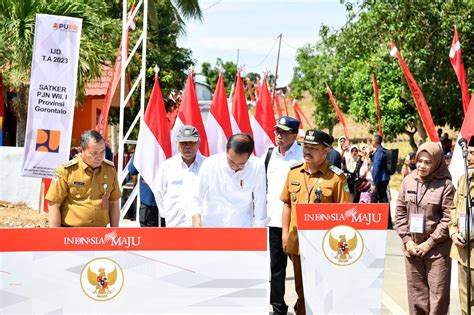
380	196
149	216
278	262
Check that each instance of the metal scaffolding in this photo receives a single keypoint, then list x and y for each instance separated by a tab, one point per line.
127	20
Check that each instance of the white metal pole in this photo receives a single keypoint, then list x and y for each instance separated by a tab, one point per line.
122	86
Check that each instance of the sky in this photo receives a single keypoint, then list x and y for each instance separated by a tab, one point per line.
253	27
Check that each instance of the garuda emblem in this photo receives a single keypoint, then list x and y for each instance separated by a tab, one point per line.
102	281
343	247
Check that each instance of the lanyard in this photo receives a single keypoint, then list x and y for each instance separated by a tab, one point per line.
418	202
309	189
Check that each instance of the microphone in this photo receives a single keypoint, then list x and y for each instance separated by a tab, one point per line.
319	194
463	143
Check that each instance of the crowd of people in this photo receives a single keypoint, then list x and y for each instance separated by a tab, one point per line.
237	189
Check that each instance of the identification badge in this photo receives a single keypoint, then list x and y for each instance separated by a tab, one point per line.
462	225
417	223
105	199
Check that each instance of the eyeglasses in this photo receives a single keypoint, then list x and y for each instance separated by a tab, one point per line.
281	132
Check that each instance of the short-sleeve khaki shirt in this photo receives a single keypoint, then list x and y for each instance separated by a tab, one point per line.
79	190
301	187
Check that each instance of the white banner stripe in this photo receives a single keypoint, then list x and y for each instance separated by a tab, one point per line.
216	138
262	141
148	156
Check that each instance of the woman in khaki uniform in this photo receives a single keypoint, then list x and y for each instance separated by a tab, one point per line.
457	230
422	217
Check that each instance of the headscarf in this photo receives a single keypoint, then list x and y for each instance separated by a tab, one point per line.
339	146
351	162
439	170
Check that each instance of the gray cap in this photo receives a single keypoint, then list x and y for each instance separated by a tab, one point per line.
187	134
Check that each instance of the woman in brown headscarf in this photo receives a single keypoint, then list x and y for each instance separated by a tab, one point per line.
422	217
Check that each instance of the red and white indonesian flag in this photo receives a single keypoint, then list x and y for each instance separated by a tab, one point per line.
153	145
190	114
240	114
218	125
263	122
458	65
456	168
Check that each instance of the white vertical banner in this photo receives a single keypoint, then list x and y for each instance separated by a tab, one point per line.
52	94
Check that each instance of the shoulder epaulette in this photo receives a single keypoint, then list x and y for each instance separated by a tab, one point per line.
336	169
109	162
296	165
70	163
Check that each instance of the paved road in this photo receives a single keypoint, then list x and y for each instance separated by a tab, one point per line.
394	299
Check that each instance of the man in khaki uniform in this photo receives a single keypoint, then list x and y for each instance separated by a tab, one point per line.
314	181
85	190
457	233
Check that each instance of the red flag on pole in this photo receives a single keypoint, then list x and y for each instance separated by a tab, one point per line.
263	122
456	168
153	144
458	65
112	88
297	116
338	112
278	106
297	108
286	105
418	97
190	114
377	103
258	87
218	125
240	114
249	87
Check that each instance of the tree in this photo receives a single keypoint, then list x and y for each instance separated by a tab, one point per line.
423	32
228	69
180	10
162	51
17	22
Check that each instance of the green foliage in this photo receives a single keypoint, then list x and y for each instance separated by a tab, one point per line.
422	30
228	69
229	72
17	22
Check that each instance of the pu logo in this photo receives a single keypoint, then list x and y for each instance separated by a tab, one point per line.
65	27
47	140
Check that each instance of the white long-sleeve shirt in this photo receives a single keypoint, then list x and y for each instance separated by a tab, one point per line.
277	172
176	182
225	198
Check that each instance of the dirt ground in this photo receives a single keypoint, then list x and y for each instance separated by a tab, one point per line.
19	215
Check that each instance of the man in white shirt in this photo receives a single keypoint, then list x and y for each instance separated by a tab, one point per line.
230	189
176	178
278	162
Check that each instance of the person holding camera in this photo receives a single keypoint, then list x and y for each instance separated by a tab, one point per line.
409	164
